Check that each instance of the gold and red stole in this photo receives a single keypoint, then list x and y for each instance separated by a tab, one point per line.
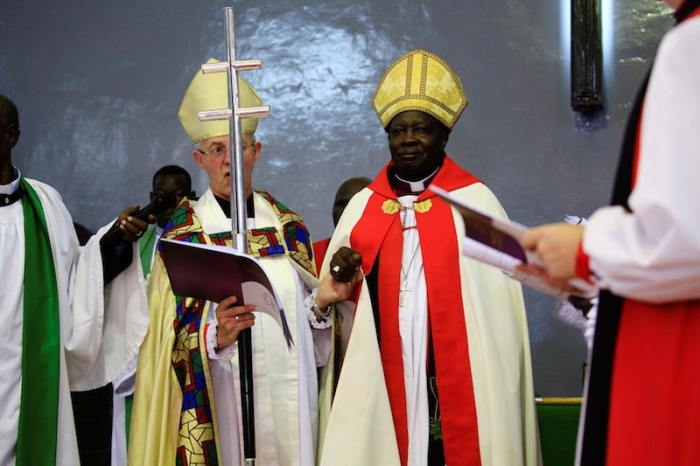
379	229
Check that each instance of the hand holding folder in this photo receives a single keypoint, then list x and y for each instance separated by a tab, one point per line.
214	272
497	242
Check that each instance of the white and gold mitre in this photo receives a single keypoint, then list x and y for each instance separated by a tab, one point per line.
420	81
210	92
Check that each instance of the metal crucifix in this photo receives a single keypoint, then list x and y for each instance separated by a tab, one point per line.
238	209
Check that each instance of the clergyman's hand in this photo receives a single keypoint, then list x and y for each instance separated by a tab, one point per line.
346	272
345	263
557	245
132	228
232	320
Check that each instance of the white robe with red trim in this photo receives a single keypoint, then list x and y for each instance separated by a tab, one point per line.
358	429
651	258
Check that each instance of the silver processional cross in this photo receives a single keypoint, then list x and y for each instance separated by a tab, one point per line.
238	209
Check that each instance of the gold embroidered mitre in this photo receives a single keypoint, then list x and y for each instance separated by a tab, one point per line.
210	92
420	81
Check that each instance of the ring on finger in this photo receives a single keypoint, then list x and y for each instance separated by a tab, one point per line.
238	318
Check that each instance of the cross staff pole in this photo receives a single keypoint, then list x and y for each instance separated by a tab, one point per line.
238	210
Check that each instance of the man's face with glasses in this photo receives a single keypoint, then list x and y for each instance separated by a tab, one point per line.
213	157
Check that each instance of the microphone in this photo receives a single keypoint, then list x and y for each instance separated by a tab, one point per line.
160	204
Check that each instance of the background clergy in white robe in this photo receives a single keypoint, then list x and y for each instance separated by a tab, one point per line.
100	325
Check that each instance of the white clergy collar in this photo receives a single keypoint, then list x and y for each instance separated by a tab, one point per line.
417	187
10	193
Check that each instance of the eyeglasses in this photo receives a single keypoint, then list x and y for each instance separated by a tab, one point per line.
218	151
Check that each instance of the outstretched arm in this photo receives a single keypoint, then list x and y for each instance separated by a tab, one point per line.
115	245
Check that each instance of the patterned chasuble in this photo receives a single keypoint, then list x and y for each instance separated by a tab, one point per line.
196	439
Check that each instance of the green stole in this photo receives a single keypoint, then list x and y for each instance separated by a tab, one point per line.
38	417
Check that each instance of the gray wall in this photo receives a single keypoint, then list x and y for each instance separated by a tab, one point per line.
98	85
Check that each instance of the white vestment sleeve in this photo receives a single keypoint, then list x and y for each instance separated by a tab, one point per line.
101	326
122	324
654	253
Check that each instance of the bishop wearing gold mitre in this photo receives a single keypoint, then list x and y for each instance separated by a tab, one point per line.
435	350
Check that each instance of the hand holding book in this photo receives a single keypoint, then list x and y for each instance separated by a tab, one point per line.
497	242
232	318
557	245
216	273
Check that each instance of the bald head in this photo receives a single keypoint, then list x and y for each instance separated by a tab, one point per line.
345	192
8	112
9	135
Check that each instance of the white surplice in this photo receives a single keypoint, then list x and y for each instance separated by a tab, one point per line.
101	326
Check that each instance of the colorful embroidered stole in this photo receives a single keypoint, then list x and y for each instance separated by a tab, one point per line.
197	438
380	229
268	241
38	418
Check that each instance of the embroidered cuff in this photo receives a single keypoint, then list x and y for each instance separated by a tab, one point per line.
213	353
311	310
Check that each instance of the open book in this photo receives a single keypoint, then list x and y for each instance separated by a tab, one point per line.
213	272
497	242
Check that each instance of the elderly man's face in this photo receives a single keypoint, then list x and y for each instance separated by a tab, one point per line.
214	158
417	142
